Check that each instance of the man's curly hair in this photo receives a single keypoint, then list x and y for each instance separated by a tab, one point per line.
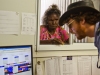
90	17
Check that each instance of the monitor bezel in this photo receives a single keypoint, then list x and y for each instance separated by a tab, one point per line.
14	46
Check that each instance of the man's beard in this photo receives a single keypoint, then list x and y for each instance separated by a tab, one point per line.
80	37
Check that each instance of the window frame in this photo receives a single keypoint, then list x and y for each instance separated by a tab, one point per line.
71	46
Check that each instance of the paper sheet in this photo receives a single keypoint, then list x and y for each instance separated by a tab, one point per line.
70	65
53	66
39	69
49	67
84	65
95	70
58	65
28	23
79	65
9	22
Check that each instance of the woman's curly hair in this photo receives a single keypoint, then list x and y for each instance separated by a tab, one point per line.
53	9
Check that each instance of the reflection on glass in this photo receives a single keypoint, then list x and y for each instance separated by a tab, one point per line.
50	31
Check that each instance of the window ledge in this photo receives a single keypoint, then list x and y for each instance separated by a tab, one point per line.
74	46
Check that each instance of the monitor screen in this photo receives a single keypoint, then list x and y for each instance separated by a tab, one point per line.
16	60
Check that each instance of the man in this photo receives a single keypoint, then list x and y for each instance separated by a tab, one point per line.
83	20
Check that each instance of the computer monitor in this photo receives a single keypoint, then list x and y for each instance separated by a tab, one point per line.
16	60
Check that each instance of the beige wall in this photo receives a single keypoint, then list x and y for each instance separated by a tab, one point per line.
18	6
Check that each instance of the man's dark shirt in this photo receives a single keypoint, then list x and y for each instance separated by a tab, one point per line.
97	41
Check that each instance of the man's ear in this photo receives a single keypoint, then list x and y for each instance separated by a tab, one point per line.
82	22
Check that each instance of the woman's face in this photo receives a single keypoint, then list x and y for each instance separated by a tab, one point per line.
52	21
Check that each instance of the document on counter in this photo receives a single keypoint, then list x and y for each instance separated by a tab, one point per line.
28	23
84	65
70	65
95	70
9	22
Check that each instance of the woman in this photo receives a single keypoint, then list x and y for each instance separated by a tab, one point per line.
50	31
